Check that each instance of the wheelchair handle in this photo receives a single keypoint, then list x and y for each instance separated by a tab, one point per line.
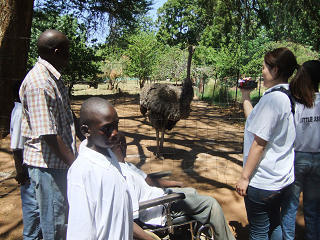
161	200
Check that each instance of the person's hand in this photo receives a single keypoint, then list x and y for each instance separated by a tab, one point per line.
245	93
22	178
242	186
123	144
120	148
179	184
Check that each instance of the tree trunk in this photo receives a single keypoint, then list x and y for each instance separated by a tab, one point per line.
142	82
214	85
15	31
202	87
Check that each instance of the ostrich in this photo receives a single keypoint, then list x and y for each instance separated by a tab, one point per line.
166	104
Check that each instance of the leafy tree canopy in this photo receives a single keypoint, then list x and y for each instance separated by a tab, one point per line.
171	64
180	22
296	21
115	16
142	52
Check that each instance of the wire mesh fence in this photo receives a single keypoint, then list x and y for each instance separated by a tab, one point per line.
207	146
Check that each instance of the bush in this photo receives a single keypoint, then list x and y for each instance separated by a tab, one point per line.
217	93
223	95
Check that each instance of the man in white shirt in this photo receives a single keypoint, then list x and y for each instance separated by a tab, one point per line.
202	208
100	203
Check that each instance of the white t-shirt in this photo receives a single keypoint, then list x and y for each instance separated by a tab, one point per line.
141	191
17	140
99	200
137	170
307	122
272	120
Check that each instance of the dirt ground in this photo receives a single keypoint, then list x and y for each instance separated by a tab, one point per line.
204	151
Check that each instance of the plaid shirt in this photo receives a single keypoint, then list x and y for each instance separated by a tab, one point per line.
46	111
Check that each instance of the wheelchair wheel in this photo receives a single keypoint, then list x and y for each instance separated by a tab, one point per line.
205	232
181	232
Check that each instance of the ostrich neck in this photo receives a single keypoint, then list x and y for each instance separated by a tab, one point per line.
187	89
189	63
187	80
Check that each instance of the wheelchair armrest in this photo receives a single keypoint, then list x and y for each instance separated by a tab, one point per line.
160	174
161	200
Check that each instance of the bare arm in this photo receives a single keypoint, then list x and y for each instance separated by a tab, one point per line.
255	154
139	234
22	171
247	106
57	145
163	183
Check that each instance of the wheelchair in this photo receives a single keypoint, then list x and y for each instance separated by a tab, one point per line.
180	228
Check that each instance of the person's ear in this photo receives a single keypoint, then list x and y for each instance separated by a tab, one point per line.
85	130
58	51
275	71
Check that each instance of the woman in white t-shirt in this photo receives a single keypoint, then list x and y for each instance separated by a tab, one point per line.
305	89
268	147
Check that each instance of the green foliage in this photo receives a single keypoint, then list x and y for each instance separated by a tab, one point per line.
180	23
227	61
297	21
302	52
112	66
142	52
252	58
217	93
231	36
204	55
83	65
223	23
119	16
253	66
119	36
171	63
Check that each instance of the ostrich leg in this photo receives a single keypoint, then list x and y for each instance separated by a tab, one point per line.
162	138
157	139
160	143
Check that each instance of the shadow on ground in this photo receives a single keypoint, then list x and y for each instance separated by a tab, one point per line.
211	132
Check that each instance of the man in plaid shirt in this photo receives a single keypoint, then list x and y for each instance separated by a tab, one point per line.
48	126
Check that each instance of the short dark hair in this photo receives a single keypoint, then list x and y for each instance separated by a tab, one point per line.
89	107
50	40
284	60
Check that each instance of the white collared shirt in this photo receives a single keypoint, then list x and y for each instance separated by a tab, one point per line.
272	120
99	200
141	191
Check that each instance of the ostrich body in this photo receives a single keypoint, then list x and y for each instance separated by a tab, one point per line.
166	104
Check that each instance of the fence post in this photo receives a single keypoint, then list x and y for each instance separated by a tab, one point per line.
238	77
259	85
